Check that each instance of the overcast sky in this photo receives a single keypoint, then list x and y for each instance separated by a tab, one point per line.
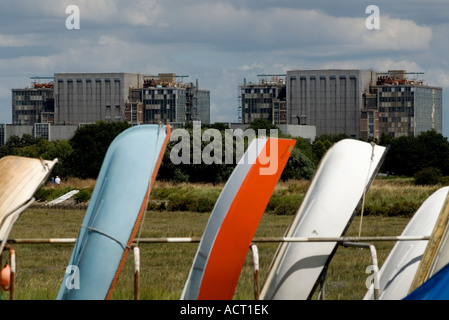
221	42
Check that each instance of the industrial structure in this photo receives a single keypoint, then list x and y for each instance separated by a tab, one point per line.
135	98
407	107
331	100
266	100
35	104
77	98
54	107
163	99
359	103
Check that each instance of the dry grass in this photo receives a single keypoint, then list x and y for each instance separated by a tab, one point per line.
396	197
165	267
74	183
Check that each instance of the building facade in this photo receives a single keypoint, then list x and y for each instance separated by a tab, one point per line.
407	107
331	100
263	100
91	97
164	101
47	131
362	103
77	98
33	105
54	110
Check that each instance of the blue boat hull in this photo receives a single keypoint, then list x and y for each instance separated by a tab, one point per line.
436	288
116	207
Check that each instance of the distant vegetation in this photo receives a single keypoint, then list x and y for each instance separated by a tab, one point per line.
408	156
424	157
386	197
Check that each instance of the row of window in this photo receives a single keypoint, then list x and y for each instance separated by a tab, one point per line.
398	89
323	77
162	91
396	109
396	99
89	80
258	90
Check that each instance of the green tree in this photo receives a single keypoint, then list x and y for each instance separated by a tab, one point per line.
306	149
324	142
298	166
385	139
90	143
320	147
408	155
433	151
402	156
202	172
264	124
49	150
428	176
15	142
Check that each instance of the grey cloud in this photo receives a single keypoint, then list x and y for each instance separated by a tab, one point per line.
220	42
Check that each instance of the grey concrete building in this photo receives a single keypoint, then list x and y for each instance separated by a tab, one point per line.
90	97
136	98
363	103
46	131
332	100
54	110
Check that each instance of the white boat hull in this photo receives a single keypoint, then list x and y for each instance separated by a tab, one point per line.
343	176
400	267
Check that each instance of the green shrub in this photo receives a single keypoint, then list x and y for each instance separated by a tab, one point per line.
192	199
428	177
284	204
42	194
444	181
48	194
396	209
83	195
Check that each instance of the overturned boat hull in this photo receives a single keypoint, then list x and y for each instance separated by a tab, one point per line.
234	220
20	178
114	213
336	191
400	268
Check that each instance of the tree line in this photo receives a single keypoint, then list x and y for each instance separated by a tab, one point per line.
82	155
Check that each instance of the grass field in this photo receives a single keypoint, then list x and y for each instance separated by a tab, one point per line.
164	267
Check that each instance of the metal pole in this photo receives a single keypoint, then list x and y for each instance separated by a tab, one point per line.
373	253
256	270
261	239
136	271
321	294
12	258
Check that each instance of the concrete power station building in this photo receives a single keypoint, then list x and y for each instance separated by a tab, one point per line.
359	103
55	109
331	100
136	98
